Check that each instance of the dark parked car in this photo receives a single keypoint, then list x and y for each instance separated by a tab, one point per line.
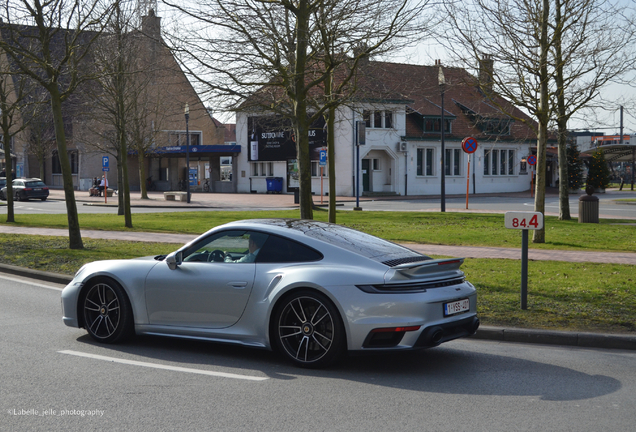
25	189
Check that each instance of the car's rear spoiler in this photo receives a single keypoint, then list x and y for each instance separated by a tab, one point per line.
438	269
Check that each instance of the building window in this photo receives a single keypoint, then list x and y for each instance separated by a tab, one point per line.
388	119
376	164
425	161
366	116
254	169
179	138
499	162
432	125
452	162
267	169
378	119
73	158
495	126
11	141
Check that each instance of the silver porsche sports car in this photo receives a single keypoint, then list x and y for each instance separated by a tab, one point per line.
310	290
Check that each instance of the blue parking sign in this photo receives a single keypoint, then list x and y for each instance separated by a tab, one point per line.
105	162
323	157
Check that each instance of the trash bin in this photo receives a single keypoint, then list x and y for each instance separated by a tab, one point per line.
588	207
274	184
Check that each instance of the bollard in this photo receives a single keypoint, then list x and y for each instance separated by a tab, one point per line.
588	207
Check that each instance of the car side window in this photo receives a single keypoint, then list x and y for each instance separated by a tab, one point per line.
228	247
217	247
282	250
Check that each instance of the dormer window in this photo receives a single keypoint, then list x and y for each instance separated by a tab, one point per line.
432	124
495	126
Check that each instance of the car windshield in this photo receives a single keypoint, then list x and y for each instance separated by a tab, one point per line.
35	184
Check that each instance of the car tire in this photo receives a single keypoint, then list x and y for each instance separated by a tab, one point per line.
307	329
107	312
43	199
17	196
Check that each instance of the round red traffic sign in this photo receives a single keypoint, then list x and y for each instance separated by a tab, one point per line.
469	145
532	160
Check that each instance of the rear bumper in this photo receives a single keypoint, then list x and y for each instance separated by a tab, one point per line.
439	333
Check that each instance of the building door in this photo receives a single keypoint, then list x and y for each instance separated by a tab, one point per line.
365	175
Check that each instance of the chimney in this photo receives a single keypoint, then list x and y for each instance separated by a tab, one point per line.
151	25
486	69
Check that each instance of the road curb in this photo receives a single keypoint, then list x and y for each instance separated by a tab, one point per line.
550	337
35	274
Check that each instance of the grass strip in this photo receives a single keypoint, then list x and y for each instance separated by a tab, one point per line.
462	229
561	296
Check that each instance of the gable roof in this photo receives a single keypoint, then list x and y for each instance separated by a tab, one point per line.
469	109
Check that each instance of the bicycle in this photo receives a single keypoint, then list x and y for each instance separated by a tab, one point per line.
206	186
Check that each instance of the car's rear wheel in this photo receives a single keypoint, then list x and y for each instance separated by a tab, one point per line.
307	329
17	196
107	313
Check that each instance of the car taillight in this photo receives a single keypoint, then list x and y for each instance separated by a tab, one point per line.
27	189
395	329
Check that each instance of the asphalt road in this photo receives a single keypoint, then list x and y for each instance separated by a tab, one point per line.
55	378
608	206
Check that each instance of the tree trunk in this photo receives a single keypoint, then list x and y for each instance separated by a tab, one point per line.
142	174
562	121
301	126
543	114
74	235
8	176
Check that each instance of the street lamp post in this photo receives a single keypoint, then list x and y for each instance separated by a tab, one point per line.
187	179
442	85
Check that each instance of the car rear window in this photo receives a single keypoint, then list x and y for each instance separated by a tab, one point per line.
360	243
35	184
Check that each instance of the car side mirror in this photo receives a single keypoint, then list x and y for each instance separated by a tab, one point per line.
174	260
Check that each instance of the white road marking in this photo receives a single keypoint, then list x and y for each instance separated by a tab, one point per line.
165	367
28	282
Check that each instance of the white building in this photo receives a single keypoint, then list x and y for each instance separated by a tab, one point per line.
402	108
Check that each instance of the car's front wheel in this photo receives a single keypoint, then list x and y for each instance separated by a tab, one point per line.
107	313
308	330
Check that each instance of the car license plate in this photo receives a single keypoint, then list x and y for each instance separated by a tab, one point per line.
456	307
37	189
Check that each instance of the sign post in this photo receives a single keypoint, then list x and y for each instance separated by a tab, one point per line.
105	168
469	145
524	221
323	163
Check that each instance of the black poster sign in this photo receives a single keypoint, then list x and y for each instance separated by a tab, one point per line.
271	138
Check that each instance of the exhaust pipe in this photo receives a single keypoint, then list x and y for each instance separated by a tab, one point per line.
434	336
474	325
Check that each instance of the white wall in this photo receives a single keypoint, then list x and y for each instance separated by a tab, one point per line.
382	144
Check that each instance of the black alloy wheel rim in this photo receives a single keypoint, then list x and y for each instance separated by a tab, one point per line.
102	311
306	329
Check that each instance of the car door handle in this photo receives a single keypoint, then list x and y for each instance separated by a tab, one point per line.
238	285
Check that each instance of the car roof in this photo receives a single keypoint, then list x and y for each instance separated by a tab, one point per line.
311	231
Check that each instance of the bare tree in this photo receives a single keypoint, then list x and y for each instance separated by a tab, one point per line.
13	99
515	35
48	41
114	92
280	57
593	45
